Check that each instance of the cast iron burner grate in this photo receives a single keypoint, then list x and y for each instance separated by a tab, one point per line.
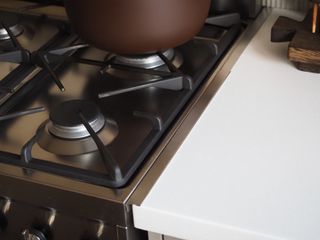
119	172
12	51
77	119
40	58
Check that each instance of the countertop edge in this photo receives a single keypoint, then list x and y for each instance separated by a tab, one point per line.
175	225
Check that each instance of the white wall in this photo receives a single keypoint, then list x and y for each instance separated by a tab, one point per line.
288	4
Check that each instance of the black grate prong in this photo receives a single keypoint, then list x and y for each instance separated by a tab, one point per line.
111	165
170	65
52	73
22	113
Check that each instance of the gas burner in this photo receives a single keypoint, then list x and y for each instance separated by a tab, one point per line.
125	69
65	134
66	123
145	61
10	21
164	74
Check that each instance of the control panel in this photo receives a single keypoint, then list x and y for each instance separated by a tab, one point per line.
25	222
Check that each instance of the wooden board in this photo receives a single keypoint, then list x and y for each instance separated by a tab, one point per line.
304	47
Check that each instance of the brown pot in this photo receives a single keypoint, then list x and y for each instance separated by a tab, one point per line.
137	26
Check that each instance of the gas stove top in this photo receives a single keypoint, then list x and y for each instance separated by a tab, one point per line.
79	127
100	114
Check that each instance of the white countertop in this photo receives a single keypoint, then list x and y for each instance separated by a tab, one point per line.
250	168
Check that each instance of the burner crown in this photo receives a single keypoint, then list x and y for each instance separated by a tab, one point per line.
66	123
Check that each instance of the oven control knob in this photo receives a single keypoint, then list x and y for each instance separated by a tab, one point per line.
33	234
3	221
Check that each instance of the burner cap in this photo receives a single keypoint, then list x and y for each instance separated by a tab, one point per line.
144	61
11	21
66	123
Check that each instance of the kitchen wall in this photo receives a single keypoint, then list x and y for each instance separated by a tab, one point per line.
287	4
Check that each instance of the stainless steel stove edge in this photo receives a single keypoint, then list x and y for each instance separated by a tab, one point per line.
169	146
